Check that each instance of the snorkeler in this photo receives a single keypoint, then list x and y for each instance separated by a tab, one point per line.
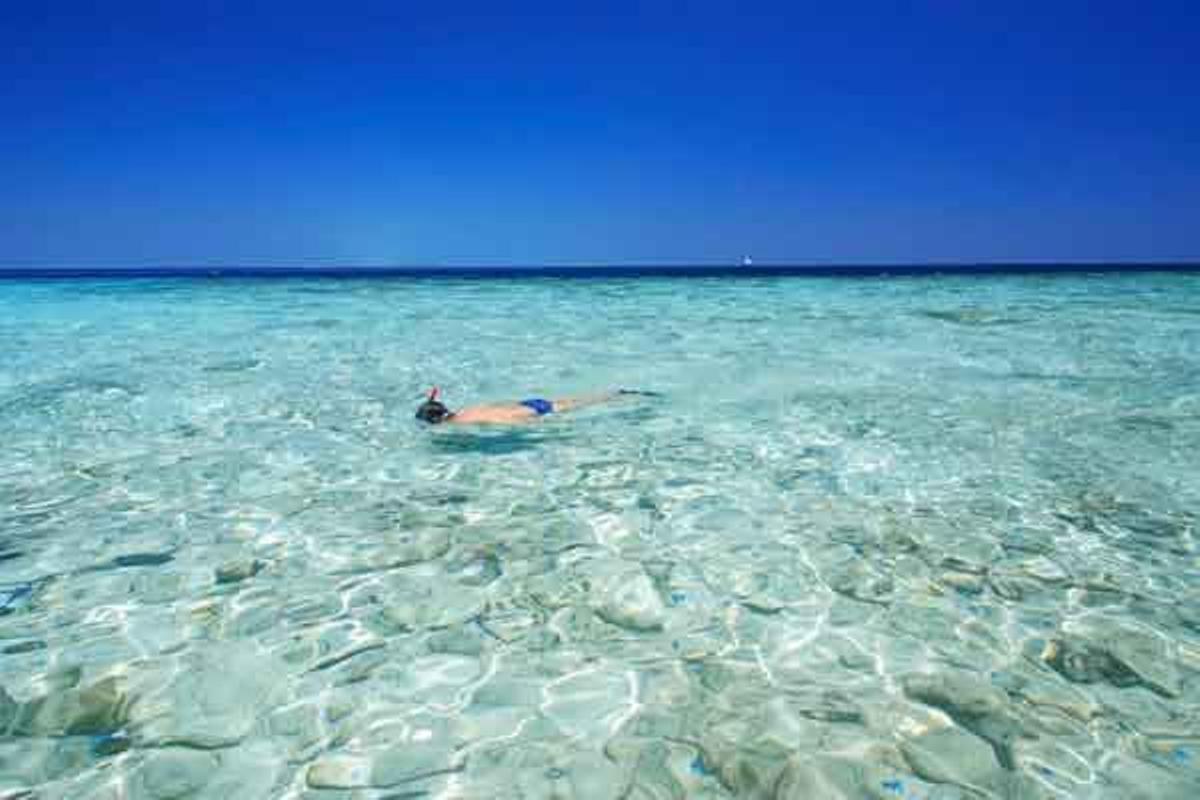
435	412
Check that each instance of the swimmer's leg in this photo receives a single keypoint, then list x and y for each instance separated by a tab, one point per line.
585	400
582	401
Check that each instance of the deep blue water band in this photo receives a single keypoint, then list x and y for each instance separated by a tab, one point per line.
595	272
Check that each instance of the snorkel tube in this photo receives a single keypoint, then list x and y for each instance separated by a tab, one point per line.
432	410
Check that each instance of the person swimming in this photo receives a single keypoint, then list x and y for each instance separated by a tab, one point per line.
435	412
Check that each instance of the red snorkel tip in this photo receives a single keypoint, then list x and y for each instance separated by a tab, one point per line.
433	393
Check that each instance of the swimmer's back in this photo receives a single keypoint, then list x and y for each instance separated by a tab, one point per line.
506	414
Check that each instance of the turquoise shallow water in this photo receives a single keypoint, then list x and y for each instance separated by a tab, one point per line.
895	539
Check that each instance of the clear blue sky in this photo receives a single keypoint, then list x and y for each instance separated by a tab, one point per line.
401	133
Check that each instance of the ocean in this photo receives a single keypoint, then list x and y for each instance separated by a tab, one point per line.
910	537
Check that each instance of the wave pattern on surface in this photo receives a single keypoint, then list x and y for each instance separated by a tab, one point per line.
917	539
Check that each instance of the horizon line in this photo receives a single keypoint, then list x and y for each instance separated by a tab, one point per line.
602	270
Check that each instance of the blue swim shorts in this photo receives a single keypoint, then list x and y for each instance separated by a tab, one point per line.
539	406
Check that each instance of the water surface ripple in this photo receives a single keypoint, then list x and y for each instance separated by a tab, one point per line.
921	539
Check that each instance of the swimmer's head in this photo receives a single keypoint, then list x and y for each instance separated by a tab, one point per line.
433	411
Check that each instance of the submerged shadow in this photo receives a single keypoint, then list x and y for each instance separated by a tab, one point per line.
495	442
969	316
